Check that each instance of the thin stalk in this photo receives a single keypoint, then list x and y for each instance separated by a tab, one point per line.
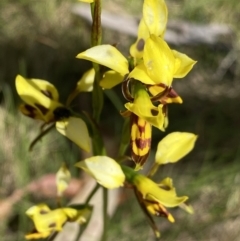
92	193
105	215
96	39
96	9
82	229
39	137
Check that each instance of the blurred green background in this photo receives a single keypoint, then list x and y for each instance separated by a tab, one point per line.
40	39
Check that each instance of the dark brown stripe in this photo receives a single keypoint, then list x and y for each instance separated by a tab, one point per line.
47	93
140	45
42	109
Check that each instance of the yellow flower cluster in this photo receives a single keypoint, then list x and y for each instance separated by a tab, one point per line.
146	78
155	66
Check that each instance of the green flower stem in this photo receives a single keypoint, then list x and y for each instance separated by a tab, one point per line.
138	89
96	9
97	97
91	194
42	134
105	215
96	39
153	169
129	173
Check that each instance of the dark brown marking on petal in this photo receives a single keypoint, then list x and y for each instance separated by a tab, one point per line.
141	128
30	111
143	143
135	120
47	93
140	45
29	108
140	159
44	212
154	112
165	187
52	225
42	109
172	94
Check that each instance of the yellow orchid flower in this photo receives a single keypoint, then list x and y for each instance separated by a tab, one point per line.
42	102
106	171
152	192
47	221
143	107
154	197
40	96
160	64
143	116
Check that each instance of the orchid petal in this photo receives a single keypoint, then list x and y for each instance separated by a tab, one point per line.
76	130
136	49
39	94
111	79
155	16
106	171
159	60
186	64
174	146
108	56
143	107
63	178
140	73
151	191
85	84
